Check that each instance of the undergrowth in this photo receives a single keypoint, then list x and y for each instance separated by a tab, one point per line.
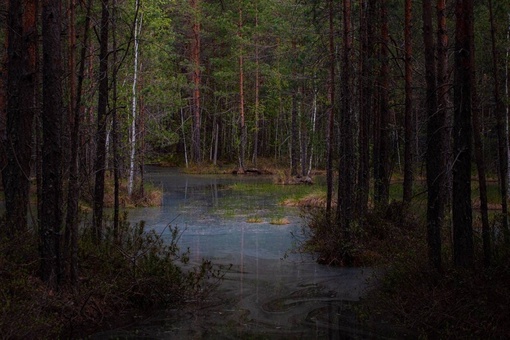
119	280
453	303
371	243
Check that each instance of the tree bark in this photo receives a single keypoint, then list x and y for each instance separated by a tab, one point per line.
366	99
500	126
294	146
482	180
132	132
331	109
3	89
257	90
196	79
20	111
115	127
435	131
52	161
463	251
347	159
99	165
382	152
242	118
443	92
73	194
409	113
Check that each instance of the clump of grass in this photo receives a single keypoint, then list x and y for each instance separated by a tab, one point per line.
254	219
205	168
280	221
150	196
314	199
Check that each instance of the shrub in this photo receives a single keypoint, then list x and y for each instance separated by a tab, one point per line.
122	277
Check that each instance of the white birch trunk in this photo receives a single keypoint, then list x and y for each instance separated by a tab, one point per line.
132	132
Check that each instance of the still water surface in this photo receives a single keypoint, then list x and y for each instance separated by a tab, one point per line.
269	292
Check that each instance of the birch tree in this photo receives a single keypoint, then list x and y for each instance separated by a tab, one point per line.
132	130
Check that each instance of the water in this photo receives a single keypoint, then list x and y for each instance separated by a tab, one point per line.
270	291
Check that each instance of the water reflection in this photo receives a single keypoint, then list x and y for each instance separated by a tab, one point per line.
269	292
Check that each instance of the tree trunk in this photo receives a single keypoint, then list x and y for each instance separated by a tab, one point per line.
20	110
366	99
435	132
73	194
463	251
482	182
443	91
257	91
196	79
331	110
409	114
52	161
141	190
294	138
347	159
99	166
314	127
132	133
500	126
115	128
242	147
3	91
382	152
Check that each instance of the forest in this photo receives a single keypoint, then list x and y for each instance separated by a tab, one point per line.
402	105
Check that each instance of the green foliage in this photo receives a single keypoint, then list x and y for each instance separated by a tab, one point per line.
148	267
